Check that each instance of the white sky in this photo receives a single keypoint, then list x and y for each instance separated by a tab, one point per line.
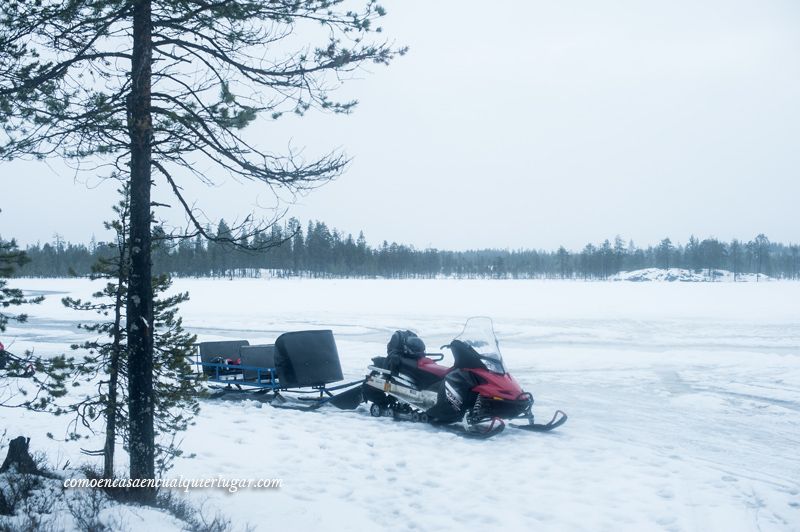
529	124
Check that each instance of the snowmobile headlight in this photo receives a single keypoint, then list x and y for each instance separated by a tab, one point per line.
493	365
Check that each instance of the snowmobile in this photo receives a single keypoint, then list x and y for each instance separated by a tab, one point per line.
472	397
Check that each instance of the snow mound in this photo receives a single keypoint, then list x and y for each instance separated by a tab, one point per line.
689	276
41	502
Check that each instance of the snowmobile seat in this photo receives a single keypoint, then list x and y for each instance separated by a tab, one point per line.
307	358
213	352
259	356
423	371
421	376
426	364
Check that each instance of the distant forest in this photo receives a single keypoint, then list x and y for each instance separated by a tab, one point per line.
319	251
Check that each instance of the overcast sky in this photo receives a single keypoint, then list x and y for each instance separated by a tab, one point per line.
529	124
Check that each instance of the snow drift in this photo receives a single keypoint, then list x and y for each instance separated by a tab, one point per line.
683	275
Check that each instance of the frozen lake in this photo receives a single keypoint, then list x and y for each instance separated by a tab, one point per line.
684	405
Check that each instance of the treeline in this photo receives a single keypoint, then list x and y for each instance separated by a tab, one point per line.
318	251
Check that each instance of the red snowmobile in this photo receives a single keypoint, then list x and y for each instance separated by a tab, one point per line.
473	396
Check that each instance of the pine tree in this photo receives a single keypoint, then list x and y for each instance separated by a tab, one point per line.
735	257
693	254
606	256
712	254
563	262
160	89
103	362
588	261
664	253
176	394
619	253
12	258
298	246
760	247
106	354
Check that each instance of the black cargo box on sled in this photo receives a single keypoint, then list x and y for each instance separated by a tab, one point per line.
307	358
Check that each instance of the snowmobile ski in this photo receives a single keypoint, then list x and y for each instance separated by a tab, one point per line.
476	432
559	418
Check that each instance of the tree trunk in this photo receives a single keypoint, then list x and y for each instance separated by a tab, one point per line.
113	370
140	290
111	418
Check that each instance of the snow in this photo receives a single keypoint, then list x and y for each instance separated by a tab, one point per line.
691	276
49	507
683	401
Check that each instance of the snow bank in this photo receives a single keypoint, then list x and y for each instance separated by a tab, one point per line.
42	503
682	275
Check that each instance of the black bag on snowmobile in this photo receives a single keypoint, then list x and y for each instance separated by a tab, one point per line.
403	344
406	343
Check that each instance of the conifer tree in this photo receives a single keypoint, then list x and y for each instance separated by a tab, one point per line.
760	247
106	355
12	258
12	365
100	366
665	251
563	262
160	90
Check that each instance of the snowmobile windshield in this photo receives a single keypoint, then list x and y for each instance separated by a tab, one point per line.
479	334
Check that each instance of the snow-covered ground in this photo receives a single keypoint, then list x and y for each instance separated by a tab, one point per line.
691	276
684	405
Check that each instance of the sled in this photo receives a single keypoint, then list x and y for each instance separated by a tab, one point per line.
297	371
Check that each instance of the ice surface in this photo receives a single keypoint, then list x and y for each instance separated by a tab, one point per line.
684	405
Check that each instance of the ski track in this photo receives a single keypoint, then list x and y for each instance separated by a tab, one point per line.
683	418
